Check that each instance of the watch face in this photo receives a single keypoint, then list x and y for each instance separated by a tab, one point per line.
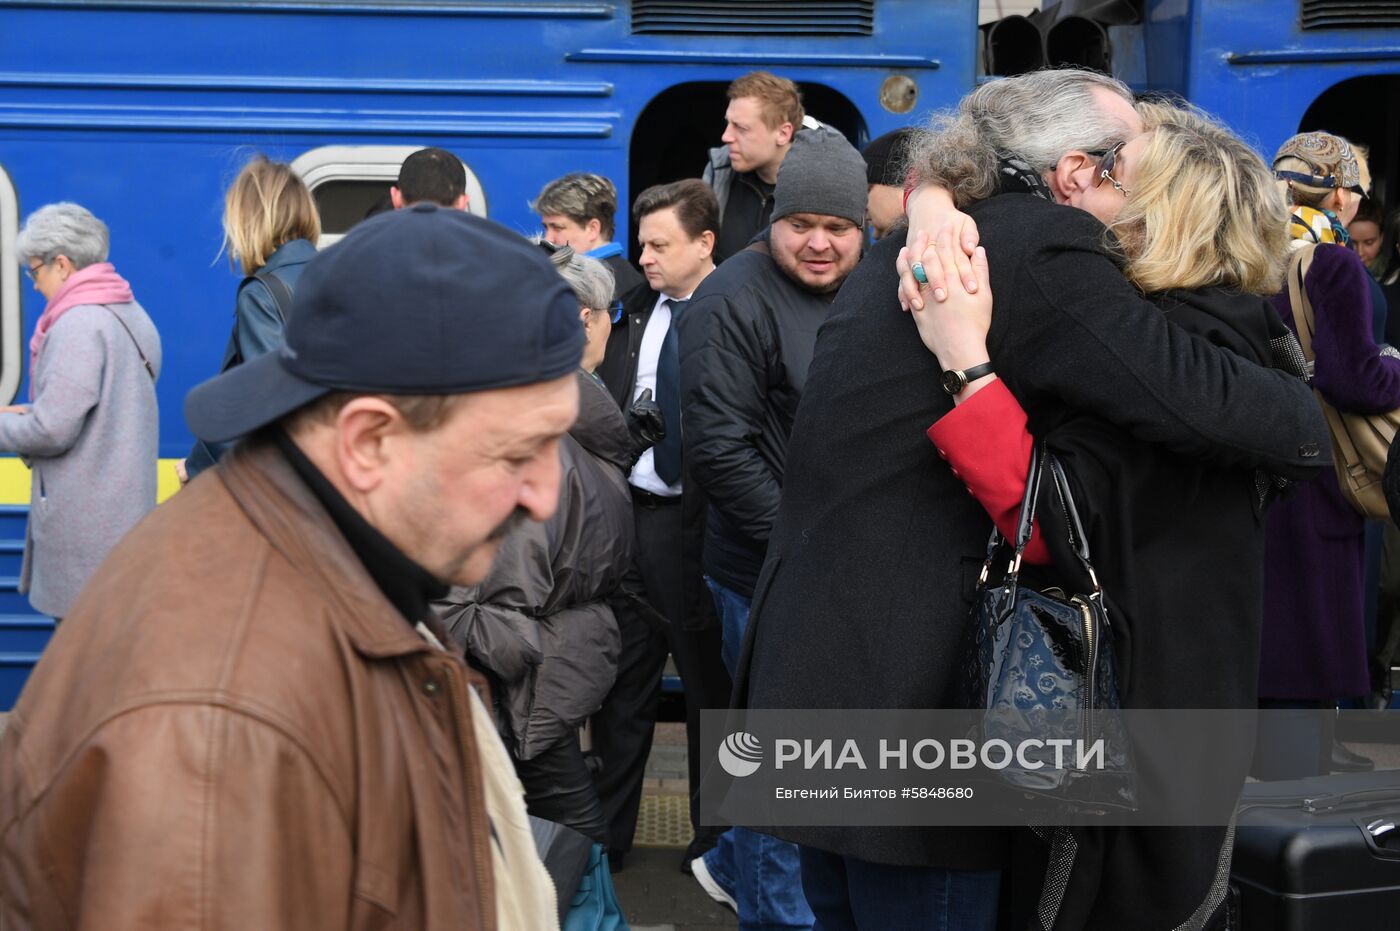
953	382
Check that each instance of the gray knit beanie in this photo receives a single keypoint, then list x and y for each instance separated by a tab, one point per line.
823	174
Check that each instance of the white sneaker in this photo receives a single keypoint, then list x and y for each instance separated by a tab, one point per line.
712	888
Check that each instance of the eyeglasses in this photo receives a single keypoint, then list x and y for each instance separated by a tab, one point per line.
1104	170
33	270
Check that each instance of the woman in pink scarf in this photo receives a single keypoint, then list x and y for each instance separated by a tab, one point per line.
90	433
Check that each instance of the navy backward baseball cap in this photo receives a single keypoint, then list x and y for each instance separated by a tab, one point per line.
424	300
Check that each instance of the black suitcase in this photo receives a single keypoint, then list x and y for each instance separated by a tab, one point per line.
1318	854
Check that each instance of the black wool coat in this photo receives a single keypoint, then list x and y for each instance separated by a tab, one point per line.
1178	544
873	560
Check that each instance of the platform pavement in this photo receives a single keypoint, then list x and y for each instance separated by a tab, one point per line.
655	895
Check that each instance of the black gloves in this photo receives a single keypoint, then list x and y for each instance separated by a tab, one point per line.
646	424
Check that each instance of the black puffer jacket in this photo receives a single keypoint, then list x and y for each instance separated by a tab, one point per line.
746	342
541	622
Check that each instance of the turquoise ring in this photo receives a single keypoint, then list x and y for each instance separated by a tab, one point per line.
919	274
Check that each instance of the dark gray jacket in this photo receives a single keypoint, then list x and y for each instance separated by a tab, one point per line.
541	622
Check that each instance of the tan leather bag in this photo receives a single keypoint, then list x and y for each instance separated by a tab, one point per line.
1360	442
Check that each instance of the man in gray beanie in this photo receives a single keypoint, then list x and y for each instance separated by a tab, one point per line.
746	341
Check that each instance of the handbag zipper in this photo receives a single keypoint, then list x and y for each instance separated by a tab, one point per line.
1091	640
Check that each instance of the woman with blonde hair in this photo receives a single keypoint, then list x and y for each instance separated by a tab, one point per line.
1177	542
270	230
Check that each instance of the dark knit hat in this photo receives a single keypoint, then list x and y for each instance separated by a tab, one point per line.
424	300
822	174
886	156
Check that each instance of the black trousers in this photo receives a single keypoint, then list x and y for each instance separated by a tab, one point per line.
558	788
623	728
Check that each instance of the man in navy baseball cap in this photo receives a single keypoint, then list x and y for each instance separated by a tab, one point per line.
411	312
296	746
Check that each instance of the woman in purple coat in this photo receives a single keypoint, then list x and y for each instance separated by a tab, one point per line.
1314	638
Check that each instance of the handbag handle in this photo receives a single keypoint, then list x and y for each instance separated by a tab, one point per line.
1078	539
1025	522
1030	502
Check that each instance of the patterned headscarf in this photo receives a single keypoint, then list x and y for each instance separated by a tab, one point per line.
1331	158
1333	165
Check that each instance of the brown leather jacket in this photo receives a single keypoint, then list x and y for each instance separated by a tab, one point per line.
234	729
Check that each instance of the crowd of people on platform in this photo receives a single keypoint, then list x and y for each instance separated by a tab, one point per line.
457	495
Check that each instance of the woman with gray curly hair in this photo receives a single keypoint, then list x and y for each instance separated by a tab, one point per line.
592	284
541	624
89	433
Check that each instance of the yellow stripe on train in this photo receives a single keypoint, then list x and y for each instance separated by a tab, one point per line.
14	480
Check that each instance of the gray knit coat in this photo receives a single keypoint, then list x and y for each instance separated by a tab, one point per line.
90	439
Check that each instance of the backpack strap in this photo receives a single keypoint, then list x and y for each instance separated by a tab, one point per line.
281	302
281	294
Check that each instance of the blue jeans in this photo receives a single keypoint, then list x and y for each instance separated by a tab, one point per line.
733	609
761	872
847	894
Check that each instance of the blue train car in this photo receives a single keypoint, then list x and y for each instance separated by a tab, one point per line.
144	110
1272	69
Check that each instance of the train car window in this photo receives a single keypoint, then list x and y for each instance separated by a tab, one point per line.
11	359
350	182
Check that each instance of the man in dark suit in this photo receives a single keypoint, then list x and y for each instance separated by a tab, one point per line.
676	228
873	560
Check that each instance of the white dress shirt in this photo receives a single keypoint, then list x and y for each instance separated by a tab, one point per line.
648	356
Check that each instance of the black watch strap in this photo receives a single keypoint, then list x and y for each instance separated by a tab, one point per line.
955	381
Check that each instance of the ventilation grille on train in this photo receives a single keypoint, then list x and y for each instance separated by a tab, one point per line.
770	17
1350	14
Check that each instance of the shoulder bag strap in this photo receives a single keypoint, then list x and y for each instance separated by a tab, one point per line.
1303	320
150	369
1345	456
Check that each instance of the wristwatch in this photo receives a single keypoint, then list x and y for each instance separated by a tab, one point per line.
955	381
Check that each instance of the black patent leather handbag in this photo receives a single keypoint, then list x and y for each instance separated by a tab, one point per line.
1042	667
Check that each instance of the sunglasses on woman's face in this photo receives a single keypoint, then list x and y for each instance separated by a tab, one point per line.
1104	170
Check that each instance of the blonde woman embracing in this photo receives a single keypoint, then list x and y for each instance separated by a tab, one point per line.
1178	542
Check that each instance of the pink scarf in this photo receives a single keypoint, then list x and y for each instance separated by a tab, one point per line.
96	284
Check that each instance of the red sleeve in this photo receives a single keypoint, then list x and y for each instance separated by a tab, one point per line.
986	443
911	181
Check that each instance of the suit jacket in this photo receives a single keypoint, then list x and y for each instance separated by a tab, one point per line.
618	371
873	561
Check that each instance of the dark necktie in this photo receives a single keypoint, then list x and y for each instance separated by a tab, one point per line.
666	455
